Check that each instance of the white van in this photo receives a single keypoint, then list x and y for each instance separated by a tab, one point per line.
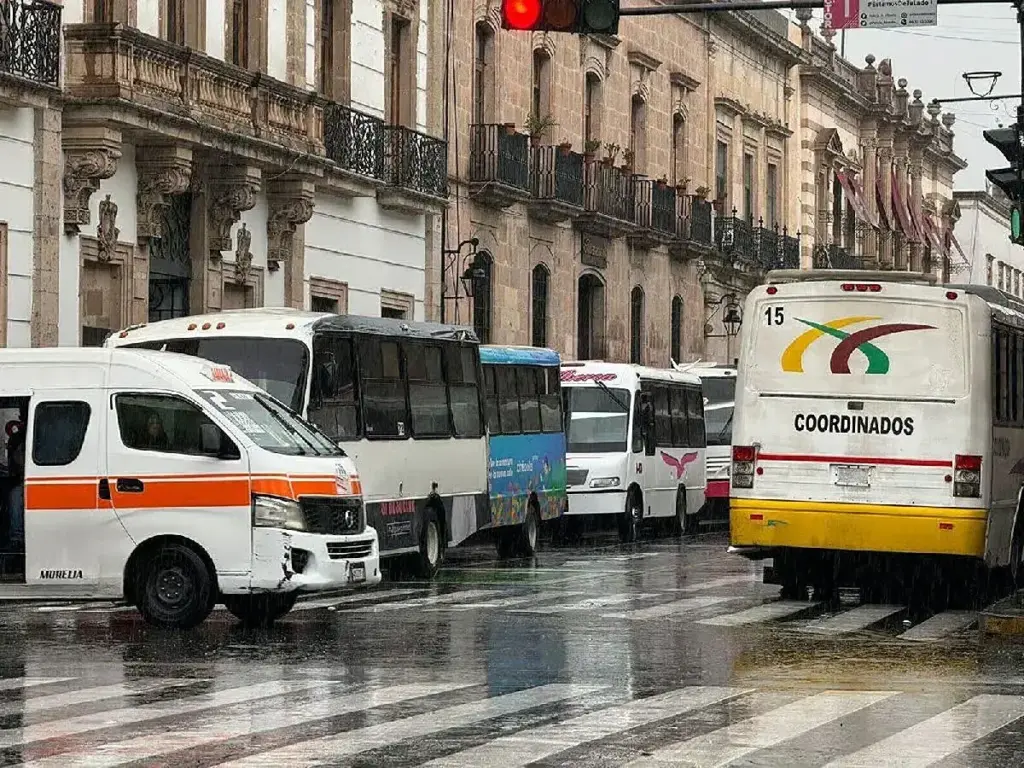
173	483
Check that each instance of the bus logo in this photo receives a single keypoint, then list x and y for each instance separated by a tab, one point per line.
860	340
680	464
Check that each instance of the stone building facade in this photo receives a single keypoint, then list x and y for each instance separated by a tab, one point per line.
616	197
983	229
193	156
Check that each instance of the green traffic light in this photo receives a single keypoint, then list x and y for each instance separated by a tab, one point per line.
1015	230
600	16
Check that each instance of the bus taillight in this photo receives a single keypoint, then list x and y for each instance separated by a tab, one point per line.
861	287
743	459
967	476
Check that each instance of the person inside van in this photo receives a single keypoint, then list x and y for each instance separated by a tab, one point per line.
156	437
16	496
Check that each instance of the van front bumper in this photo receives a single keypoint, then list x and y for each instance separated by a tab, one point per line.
612	502
289	561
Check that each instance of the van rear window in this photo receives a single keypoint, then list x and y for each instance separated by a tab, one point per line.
869	347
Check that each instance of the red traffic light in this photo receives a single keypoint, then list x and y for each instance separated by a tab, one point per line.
521	14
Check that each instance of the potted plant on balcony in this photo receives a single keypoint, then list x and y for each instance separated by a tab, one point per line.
565	147
590	147
702	192
538	126
682	186
510	128
611	152
662	182
627	161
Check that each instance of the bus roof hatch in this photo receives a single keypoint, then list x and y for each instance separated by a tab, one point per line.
848	275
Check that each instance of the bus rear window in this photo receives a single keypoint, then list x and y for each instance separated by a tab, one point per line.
869	347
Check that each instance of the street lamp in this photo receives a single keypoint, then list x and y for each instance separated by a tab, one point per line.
980	78
451	259
732	317
473	273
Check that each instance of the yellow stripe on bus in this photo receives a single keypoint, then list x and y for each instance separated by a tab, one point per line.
792	357
857	527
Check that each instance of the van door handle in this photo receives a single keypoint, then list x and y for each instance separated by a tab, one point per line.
129	485
104	489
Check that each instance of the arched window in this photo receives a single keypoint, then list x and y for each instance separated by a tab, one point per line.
677	328
539	298
590	317
482	305
636	325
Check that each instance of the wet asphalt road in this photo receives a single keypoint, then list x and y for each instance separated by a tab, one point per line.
663	653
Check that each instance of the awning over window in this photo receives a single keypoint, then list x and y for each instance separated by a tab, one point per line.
855	194
883	217
899	205
934	236
955	246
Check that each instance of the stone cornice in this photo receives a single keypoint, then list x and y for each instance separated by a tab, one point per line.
1000	207
757	31
683	80
611	42
642	59
730	105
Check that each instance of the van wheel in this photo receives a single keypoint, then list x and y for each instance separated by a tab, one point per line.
528	534
175	589
631	520
431	546
260	610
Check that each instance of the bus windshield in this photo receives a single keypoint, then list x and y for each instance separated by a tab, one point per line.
718	423
270	425
718	389
598	419
277	366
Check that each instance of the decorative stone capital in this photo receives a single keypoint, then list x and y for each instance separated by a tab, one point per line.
90	156
289	204
162	172
231	190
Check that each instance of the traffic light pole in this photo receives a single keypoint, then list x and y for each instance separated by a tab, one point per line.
755	5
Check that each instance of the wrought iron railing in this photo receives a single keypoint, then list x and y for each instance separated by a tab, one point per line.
831	256
30	40
700	228
558	175
354	140
655	206
759	247
498	156
735	236
416	161
610	191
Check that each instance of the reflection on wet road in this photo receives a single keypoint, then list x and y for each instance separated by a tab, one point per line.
664	653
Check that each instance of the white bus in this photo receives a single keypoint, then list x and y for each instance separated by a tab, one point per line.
635	444
877	414
718	384
402	398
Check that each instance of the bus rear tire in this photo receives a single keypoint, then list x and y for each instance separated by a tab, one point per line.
175	589
431	553
528	534
260	610
632	518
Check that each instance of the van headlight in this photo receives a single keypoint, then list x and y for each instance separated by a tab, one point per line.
275	512
604	482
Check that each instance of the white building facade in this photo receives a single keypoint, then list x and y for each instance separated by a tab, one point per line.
983	231
170	157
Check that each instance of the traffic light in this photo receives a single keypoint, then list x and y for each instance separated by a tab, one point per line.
1010	180
582	17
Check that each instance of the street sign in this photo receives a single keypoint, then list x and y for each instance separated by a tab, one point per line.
880	14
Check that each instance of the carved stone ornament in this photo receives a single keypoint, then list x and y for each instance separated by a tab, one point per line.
154	189
243	256
284	216
107	231
226	206
83	172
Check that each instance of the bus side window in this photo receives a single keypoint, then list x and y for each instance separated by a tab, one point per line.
681	436
332	404
428	400
529	397
463	390
383	391
551	401
508	400
662	417
491	400
695	414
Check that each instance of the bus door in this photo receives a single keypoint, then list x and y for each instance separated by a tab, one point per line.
643	447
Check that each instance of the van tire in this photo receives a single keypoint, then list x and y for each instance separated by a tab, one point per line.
632	518
260	610
175	589
431	553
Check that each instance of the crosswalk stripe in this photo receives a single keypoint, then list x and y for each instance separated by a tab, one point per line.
940	625
861	617
766	612
675	608
313	752
724	745
88	695
449	597
359	597
17	683
938	737
505	602
590	604
725	581
536	744
221	728
58	729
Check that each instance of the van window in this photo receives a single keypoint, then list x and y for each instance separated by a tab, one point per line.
160	423
58	431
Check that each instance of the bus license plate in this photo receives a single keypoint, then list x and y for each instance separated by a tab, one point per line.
852	475
358	573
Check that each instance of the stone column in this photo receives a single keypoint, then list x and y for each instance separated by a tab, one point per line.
901	157
887	239
916	197
289	207
46	229
868	140
989	258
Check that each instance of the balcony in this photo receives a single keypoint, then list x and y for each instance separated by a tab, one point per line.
656	214
756	248
609	201
831	256
415	170
354	142
29	48
499	165
556	184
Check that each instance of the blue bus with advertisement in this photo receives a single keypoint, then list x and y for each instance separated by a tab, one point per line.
526	476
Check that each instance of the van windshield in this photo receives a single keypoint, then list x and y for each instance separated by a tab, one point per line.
269	424
598	419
